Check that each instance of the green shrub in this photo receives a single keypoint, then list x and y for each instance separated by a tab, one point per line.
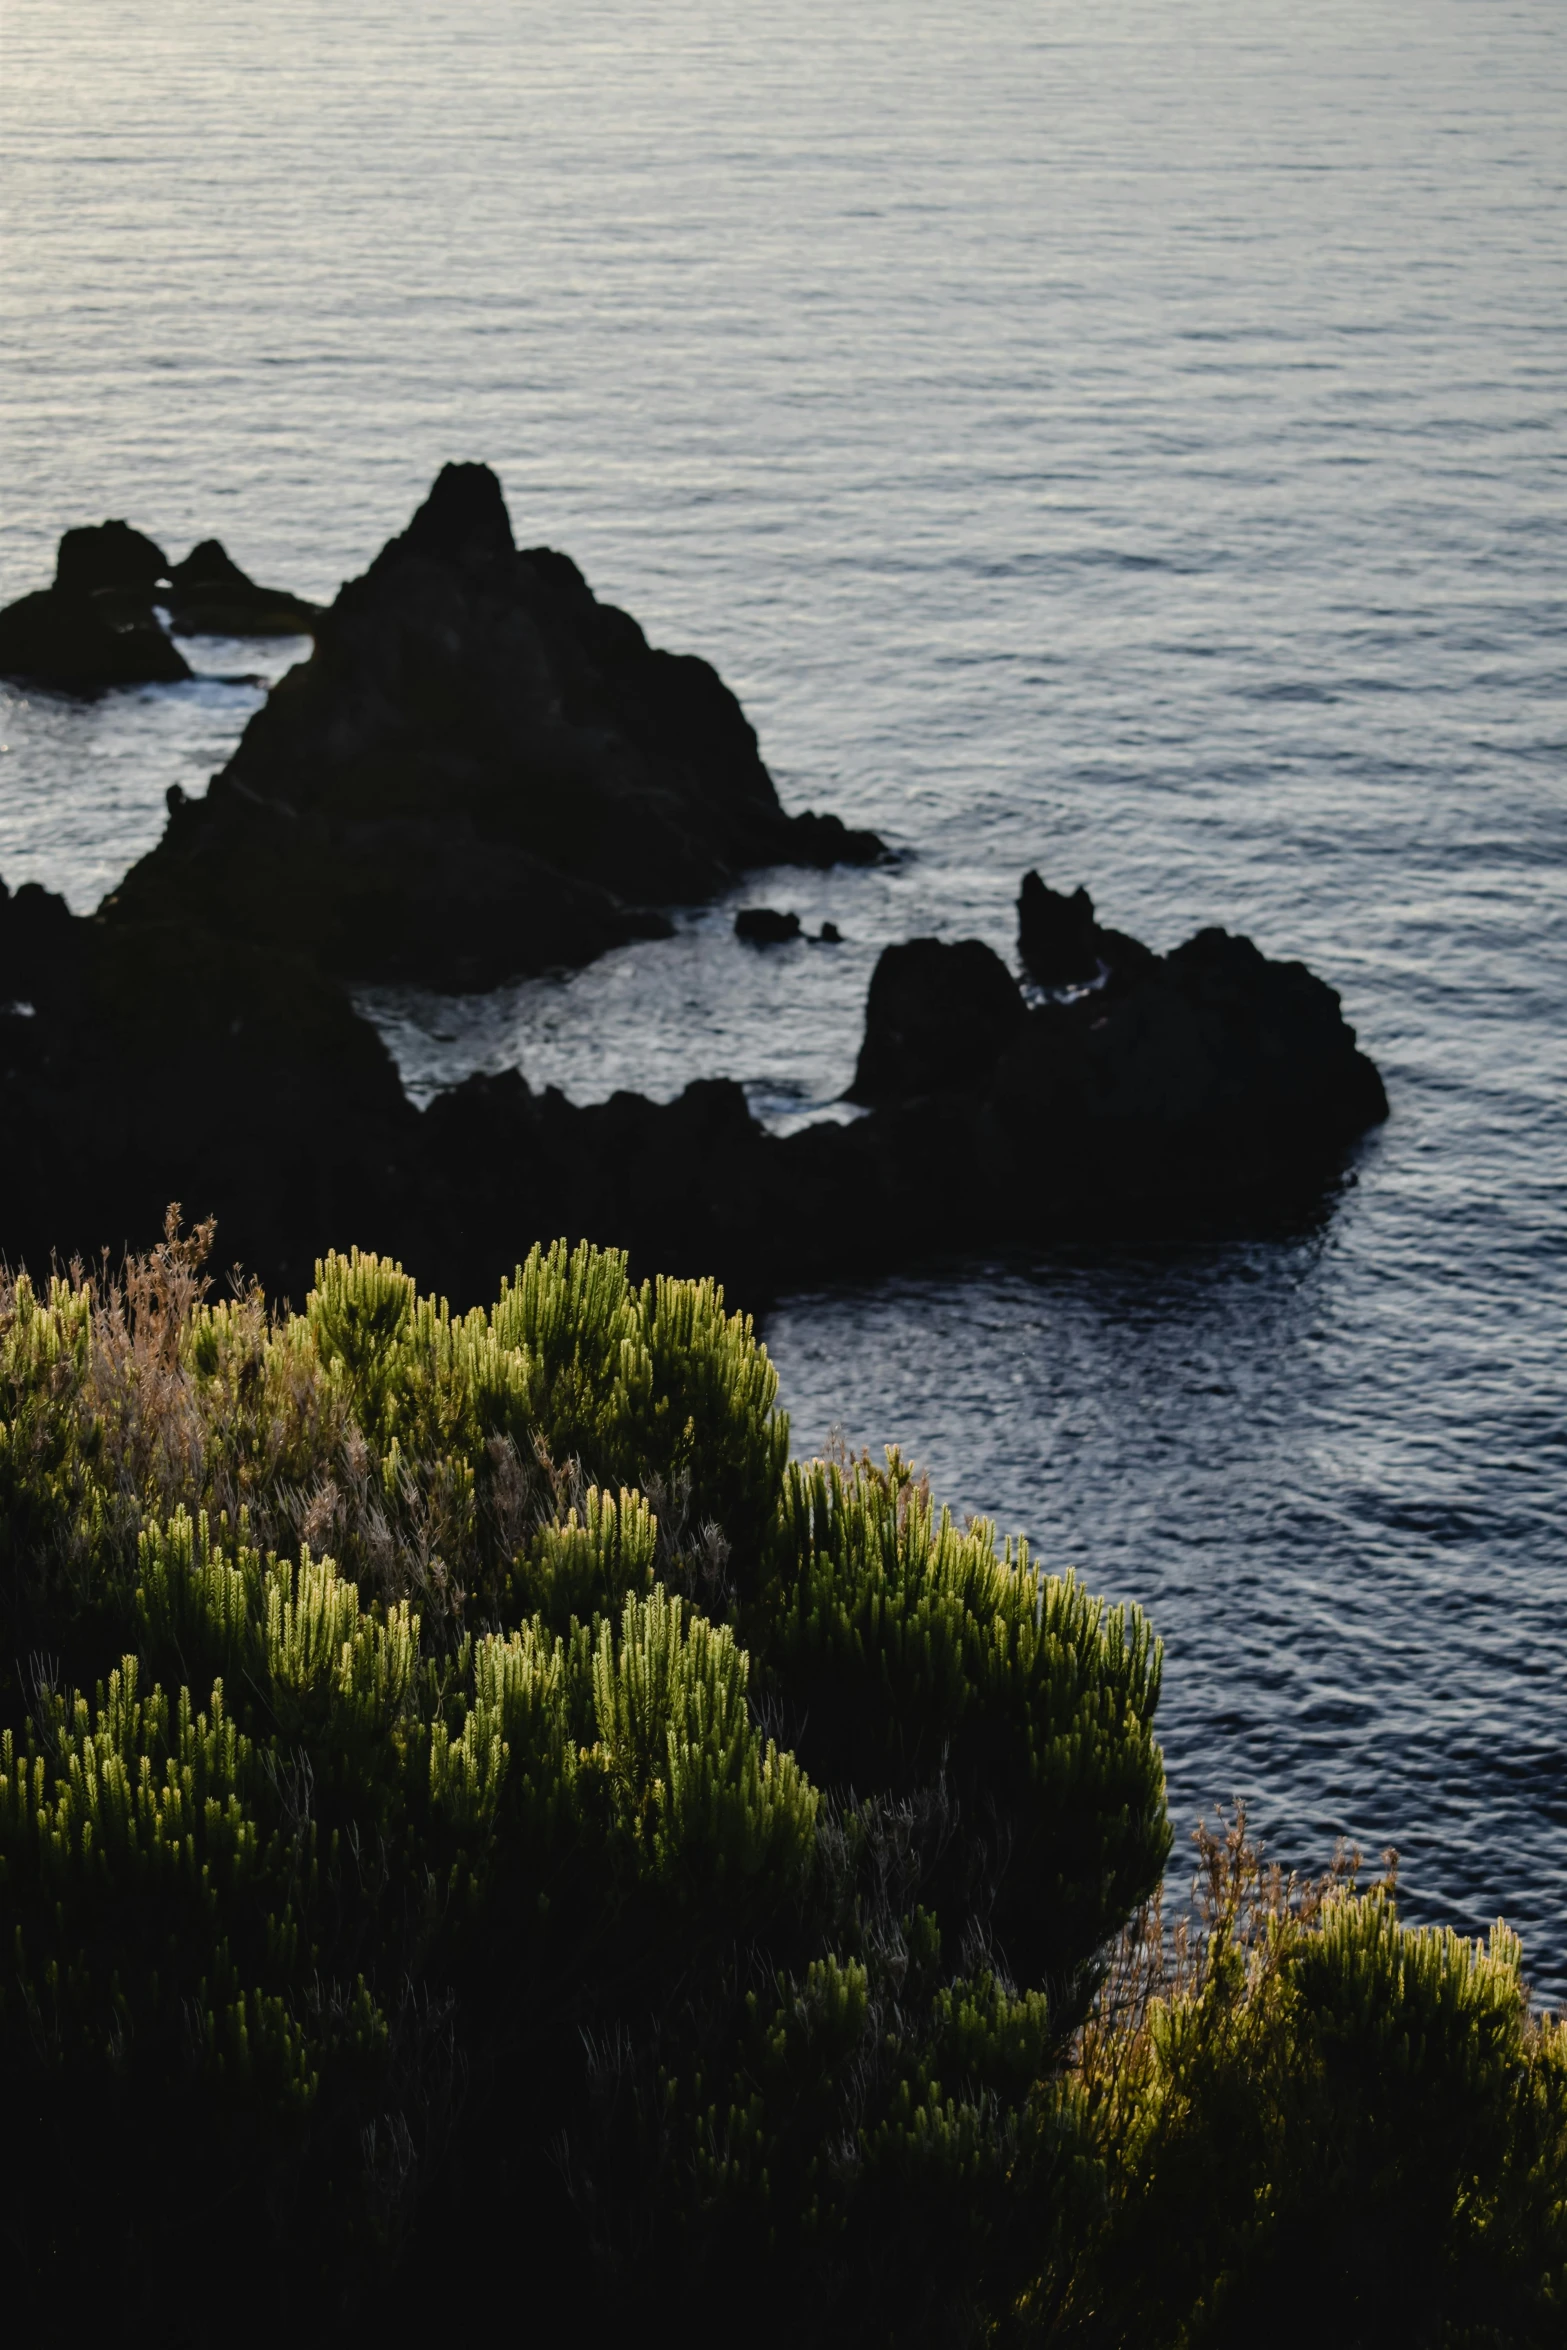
459	1784
1307	2087
599	1554
914	1653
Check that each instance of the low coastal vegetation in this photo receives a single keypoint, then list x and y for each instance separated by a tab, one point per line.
469	1799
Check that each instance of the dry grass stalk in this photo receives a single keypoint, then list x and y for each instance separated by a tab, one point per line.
1239	1902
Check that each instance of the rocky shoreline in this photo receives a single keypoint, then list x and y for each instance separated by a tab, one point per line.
483	771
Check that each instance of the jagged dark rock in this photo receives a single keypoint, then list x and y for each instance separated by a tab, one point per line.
156	1059
1211	1074
481	771
824	840
1058	938
72	644
1194	1087
1214	1091
936	1020
764	926
38	936
96	626
1061	942
109	556
209	595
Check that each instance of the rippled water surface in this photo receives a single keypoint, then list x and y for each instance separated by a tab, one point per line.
1120	438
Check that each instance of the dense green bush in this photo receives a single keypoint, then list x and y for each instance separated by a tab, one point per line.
460	1786
1298	2088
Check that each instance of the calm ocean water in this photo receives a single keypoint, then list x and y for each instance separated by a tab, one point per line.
1123	439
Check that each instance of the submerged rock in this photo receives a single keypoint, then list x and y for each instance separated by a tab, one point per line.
482	771
209	595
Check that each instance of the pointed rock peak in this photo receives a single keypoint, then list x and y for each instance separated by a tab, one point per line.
463	520
211	563
1058	937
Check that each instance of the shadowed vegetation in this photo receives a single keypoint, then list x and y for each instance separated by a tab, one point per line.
461	1785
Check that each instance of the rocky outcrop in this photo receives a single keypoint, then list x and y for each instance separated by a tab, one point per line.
482	771
209	595
1062	944
96	626
1181	1092
1208	1091
936	1020
157	1060
38	938
73	645
107	558
1058	938
1210	1072
765	926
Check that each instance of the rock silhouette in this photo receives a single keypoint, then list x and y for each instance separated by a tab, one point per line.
1209	1092
1192	1086
764	926
209	595
102	557
936	1021
95	627
83	644
481	771
1061	942
1058	937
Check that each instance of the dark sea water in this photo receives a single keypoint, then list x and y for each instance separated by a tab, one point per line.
1126	439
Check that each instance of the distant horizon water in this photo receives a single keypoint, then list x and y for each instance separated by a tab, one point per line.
1119	440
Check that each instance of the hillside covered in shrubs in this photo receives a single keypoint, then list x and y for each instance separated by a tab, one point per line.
468	1799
